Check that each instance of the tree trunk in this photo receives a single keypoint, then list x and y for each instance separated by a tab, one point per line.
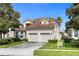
3	35
0	35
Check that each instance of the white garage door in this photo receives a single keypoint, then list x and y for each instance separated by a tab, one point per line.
33	37
44	37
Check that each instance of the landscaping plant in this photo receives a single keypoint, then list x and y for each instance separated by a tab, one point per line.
52	40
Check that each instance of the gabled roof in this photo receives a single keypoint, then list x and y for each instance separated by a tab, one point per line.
28	20
38	20
19	29
36	23
40	26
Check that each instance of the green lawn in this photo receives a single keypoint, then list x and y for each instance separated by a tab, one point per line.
49	50
9	45
66	46
55	53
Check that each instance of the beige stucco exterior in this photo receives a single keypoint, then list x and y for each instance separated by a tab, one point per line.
36	34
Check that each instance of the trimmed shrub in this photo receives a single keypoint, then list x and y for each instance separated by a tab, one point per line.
52	41
26	40
9	40
4	41
68	40
15	39
62	38
75	42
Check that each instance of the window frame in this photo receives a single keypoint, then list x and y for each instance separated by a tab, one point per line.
75	33
33	33
70	33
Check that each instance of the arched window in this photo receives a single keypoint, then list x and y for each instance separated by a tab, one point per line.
44	22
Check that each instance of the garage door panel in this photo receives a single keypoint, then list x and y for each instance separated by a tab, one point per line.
33	37
39	37
45	37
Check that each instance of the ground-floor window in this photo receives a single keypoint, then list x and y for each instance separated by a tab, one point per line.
70	33
75	33
21	35
16	34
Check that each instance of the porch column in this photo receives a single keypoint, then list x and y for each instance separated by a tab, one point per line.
52	34
24	34
39	37
2	36
78	33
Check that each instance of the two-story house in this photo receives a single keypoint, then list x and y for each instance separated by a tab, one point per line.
42	29
38	30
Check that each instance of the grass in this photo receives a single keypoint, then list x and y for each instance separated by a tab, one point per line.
67	46
10	44
49	50
49	46
55	53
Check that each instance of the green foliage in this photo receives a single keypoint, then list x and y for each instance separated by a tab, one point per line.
68	40
63	37
66	46
59	19
52	41
9	40
10	44
76	42
73	10
49	46
55	53
73	15
15	39
4	41
8	17
26	40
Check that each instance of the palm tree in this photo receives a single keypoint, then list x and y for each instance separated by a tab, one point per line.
59	19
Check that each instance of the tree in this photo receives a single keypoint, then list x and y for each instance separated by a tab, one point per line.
8	17
73	15
59	19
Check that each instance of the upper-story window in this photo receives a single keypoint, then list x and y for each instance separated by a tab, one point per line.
27	23
44	22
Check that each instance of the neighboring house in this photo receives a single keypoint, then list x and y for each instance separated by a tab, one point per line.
72	33
14	33
39	30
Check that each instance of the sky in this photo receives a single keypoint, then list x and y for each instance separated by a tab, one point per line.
37	10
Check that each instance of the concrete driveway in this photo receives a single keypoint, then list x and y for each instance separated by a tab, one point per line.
24	49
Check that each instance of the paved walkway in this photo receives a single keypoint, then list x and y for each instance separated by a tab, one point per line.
24	49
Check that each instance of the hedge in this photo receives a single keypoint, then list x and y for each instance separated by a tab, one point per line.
9	40
52	41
